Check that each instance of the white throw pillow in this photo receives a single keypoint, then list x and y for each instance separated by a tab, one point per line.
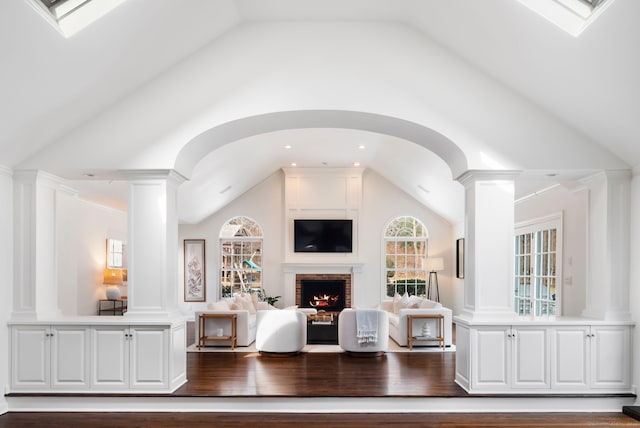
246	304
395	305
404	300
414	302
235	306
221	305
428	304
254	300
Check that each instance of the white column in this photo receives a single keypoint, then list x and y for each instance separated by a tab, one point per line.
153	243
489	226
608	241
6	266
634	272
35	272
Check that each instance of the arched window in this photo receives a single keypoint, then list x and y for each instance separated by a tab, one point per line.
240	256
405	253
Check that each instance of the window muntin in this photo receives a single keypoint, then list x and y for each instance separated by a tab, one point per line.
240	256
405	243
536	286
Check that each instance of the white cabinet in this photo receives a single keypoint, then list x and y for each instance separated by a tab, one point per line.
508	357
110	353
47	357
490	356
130	357
592	357
571	352
148	358
545	357
530	357
106	357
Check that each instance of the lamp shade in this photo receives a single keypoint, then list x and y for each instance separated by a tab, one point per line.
433	264
113	277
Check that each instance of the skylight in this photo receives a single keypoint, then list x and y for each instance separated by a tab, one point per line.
71	16
573	16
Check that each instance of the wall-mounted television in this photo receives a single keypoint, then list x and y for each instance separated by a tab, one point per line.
322	236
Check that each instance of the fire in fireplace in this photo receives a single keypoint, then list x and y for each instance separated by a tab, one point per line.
323	294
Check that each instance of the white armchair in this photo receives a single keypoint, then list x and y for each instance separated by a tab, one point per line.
348	332
282	331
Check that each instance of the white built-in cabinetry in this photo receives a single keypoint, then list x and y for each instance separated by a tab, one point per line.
544	357
46	357
100	357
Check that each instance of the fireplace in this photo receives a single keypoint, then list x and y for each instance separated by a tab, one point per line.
322	294
328	292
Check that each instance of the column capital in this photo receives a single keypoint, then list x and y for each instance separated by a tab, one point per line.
473	175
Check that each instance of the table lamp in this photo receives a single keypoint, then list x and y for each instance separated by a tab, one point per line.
113	279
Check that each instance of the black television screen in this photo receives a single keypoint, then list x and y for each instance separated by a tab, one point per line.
322	236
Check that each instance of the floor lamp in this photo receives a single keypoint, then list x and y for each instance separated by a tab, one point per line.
433	265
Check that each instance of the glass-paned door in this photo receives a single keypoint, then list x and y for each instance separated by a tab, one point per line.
536	272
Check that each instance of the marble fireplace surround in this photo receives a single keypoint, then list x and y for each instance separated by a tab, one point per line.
294	272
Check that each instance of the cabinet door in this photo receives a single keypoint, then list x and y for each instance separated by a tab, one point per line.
110	354
610	353
570	358
70	357
30	358
490	366
530	357
149	357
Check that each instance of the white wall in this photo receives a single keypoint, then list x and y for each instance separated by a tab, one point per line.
382	202
6	281
264	204
574	206
82	230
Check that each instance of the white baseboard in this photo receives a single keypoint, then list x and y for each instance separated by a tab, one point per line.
547	404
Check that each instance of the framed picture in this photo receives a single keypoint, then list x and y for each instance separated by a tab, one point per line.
460	258
194	270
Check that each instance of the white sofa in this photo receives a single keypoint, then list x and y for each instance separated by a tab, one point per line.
246	323
398	320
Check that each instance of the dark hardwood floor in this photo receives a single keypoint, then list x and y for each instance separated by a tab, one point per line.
321	375
267	420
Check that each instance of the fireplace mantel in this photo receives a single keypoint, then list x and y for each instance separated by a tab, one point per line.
319	267
291	269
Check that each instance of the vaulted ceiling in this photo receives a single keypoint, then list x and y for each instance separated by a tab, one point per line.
417	82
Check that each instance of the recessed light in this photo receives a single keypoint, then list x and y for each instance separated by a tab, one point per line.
293	164
288	146
551	174
356	164
89	174
361	147
226	189
423	189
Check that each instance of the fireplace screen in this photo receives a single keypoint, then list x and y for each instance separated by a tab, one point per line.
328	295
